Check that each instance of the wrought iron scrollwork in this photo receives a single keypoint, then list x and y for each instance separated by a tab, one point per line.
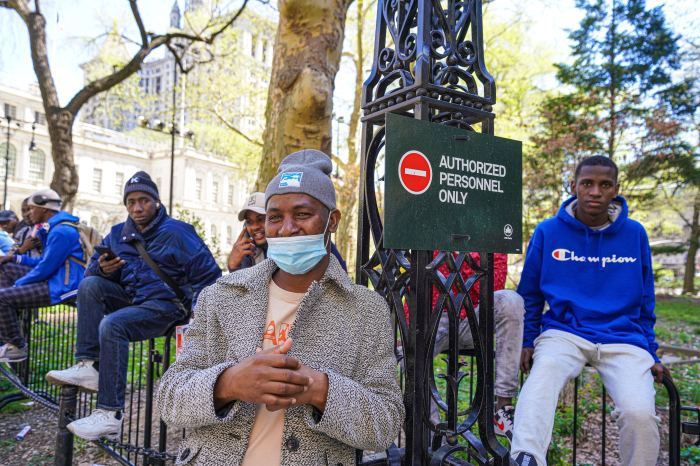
429	64
440	57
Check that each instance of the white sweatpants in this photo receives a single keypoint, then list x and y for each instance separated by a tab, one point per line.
625	371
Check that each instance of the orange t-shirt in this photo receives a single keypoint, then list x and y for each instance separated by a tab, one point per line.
265	444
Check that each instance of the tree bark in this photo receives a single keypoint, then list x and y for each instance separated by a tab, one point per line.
693	245
307	53
59	121
348	189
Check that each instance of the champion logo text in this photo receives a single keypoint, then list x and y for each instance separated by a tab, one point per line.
566	255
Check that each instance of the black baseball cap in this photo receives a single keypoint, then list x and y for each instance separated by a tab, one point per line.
7	215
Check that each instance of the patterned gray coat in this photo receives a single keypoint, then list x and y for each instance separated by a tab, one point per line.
341	329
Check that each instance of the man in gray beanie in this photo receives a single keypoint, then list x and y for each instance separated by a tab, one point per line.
284	401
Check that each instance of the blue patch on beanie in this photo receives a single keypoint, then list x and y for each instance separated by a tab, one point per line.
291	179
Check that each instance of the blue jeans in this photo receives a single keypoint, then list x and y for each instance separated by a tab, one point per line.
107	322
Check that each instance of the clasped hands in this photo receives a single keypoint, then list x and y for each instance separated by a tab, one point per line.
273	378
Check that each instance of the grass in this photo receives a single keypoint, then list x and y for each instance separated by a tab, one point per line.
683	310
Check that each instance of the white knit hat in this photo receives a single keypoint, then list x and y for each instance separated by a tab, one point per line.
46	198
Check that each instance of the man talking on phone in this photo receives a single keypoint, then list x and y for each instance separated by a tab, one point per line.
251	245
142	279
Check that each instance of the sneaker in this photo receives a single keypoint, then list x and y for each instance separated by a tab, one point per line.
503	422
102	423
83	375
10	353
525	459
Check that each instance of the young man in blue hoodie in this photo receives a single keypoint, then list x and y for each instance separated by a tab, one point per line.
54	276
592	265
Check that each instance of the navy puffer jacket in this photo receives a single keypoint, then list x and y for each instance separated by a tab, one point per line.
173	245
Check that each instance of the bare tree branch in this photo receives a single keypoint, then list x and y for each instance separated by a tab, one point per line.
21	7
233	128
139	22
95	87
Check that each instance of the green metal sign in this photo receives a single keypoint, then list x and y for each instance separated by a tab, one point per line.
451	189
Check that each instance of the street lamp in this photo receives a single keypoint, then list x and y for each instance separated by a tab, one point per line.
173	130
32	147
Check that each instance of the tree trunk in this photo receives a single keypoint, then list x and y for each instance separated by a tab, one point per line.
693	244
65	177
307	53
59	121
349	189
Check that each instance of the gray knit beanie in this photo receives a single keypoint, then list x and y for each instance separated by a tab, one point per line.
306	171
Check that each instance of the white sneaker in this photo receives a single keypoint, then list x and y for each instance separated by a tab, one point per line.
503	422
83	375
10	353
101	423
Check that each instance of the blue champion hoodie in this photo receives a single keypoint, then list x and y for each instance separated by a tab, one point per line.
598	283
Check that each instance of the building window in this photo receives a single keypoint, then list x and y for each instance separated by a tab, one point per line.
37	165
215	191
118	182
12	160
253	43
158	85
10	110
97	180
213	232
231	192
264	51
229	234
198	189
39	118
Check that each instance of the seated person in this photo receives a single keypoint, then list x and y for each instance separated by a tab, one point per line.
23	233
6	243
287	362
48	279
251	246
122	299
508	322
592	265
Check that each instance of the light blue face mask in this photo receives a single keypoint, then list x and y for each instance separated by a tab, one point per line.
297	255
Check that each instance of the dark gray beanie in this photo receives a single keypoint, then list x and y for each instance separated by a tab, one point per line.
306	171
141	181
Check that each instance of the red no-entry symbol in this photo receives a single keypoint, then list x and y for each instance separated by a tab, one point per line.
415	172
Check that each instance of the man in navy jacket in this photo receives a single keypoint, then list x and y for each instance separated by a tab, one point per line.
122	299
592	265
27	281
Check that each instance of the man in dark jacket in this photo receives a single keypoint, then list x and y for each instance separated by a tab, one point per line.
27	281
122	299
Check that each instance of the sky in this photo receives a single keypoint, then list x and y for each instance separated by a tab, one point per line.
73	27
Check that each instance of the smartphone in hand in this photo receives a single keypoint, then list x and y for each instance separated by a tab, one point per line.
105	250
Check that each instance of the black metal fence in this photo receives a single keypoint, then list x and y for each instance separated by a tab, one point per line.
51	334
146	440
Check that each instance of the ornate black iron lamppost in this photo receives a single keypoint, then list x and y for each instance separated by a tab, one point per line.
429	64
32	146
